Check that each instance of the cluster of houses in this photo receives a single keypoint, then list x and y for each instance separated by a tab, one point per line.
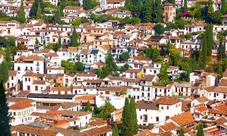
45	99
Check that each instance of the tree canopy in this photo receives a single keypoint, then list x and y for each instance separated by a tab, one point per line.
21	13
4	114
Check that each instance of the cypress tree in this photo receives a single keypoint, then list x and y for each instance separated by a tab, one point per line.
200	130
223	53
7	54
147	10
210	7
34	8
204	49
168	46
4	114
172	1
87	4
210	39
21	13
4	71
96	110
88	107
220	49
223	7
157	14
115	130
181	132
134	116
185	5
126	128
38	13
74	38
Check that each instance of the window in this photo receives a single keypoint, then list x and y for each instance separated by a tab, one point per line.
25	79
162	108
11	77
141	117
29	79
167	107
157	118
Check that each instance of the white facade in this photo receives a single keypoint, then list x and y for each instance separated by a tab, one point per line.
158	116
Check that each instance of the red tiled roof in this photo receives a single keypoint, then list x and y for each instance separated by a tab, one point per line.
20	105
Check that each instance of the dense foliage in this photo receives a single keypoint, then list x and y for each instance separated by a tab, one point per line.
129	118
4	114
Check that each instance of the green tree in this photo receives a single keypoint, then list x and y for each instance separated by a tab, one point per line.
103	72
159	29
74	38
108	107
172	1
79	66
57	15
10	41
39	12
4	71
87	4
181	132
126	128
4	115
124	68
76	22
134	116
204	50
110	63
223	7
152	53
96	110
8	59
185	5
168	46
34	8
124	56
200	130
210	39
163	75
198	10
115	130
21	13
175	56
157	13
88	107
215	18
147	11
221	50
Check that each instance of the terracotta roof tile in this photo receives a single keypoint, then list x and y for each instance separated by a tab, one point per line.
73	49
86	75
141	58
12	73
61	89
168	100
169	127
96	131
202	109
84	51
145	132
21	105
33	130
183	119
